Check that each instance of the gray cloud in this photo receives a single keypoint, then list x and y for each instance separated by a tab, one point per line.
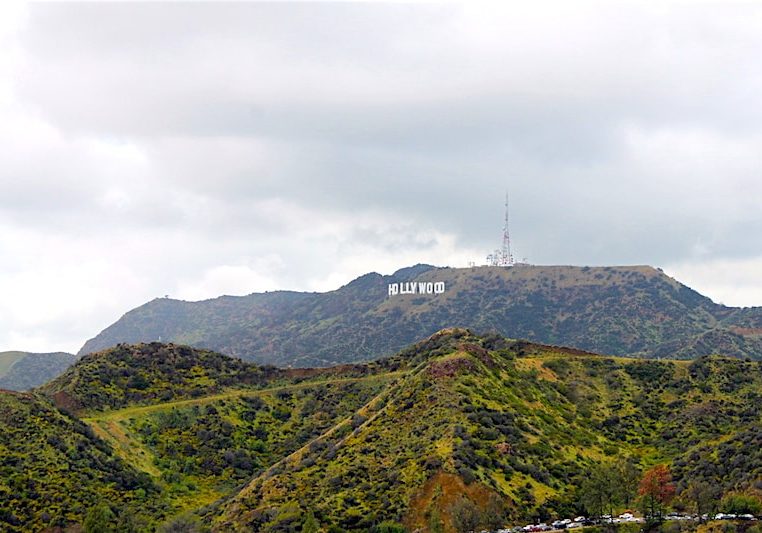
200	148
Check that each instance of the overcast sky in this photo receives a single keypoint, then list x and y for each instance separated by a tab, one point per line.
203	149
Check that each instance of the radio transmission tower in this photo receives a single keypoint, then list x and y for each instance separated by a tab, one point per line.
503	256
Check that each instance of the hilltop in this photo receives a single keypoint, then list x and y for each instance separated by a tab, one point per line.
637	311
21	371
145	374
508	429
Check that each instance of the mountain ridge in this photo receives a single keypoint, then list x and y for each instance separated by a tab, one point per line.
631	310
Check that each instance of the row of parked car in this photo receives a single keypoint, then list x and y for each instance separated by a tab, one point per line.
580	521
705	517
568	523
723	516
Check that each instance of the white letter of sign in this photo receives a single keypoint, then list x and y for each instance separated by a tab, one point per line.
439	287
393	289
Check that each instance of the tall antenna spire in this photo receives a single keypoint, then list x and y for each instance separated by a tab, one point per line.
503	257
505	252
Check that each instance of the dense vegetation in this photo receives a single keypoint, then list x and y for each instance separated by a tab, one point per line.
147	373
21	371
170	428
514	431
616	310
154	373
456	432
53	470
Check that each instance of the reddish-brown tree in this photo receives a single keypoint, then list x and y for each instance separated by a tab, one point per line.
656	490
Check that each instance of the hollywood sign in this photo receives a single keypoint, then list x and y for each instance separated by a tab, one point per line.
417	287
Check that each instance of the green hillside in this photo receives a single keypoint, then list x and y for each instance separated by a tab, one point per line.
515	430
189	425
634	310
53	470
457	425
21	371
139	374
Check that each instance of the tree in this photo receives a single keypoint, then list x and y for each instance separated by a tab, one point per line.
702	496
656	491
98	519
465	515
601	491
493	516
288	517
628	476
182	524
310	524
740	503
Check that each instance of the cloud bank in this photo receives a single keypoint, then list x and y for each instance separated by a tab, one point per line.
200	149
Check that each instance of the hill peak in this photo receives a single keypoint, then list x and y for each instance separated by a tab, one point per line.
147	372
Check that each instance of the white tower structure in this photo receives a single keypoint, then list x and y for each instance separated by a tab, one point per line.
503	256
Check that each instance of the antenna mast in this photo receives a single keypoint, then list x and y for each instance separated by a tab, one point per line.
503	257
505	252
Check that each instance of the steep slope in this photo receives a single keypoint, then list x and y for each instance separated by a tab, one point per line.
511	429
208	446
53	470
201	423
624	310
23	370
168	428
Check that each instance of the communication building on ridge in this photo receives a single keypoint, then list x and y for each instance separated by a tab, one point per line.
503	256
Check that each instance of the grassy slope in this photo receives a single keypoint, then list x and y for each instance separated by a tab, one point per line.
400	439
524	429
201	449
146	374
53	469
199	423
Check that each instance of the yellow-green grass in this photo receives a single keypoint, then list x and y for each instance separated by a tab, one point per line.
111	425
